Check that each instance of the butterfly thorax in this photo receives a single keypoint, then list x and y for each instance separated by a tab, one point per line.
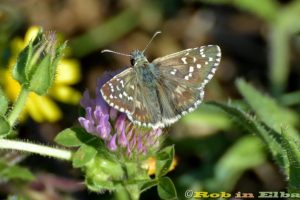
147	73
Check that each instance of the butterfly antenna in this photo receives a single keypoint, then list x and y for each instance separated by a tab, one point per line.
155	34
115	52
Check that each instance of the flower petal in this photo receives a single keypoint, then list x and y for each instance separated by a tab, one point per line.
68	72
65	94
30	34
112	145
41	108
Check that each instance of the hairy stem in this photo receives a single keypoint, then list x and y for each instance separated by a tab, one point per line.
18	106
35	148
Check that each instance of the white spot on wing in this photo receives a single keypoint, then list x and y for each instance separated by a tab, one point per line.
184	60
173	72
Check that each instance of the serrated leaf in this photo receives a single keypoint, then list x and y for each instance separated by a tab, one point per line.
293	154
164	160
166	189
72	137
3	103
4	127
268	110
83	155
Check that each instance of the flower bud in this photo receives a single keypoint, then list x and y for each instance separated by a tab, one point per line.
36	65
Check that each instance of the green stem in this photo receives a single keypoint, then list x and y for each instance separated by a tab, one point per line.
35	148
18	106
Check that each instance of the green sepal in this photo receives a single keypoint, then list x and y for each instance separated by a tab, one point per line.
166	189
22	67
103	172
83	155
164	160
40	81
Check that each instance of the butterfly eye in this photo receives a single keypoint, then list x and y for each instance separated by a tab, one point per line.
132	61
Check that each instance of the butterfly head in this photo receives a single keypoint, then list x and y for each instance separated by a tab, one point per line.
138	58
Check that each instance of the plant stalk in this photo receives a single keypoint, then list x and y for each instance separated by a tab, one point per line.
35	148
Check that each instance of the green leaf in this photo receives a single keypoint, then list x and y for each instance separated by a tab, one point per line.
268	110
252	126
83	155
293	154
147	184
246	153
72	137
164	160
166	189
8	172
4	127
266	9
3	103
289	17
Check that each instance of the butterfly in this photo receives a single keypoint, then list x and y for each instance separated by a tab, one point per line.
156	94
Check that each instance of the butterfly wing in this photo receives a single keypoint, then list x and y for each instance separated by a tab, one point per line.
194	67
119	91
124	93
183	78
146	107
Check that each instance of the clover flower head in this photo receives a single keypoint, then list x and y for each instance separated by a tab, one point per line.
113	127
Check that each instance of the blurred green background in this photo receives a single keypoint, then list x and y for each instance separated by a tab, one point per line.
259	41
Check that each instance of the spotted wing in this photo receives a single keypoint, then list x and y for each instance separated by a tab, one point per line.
139	102
183	77
193	67
119	91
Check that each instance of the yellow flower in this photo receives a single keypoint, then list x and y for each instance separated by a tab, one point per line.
43	108
150	165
